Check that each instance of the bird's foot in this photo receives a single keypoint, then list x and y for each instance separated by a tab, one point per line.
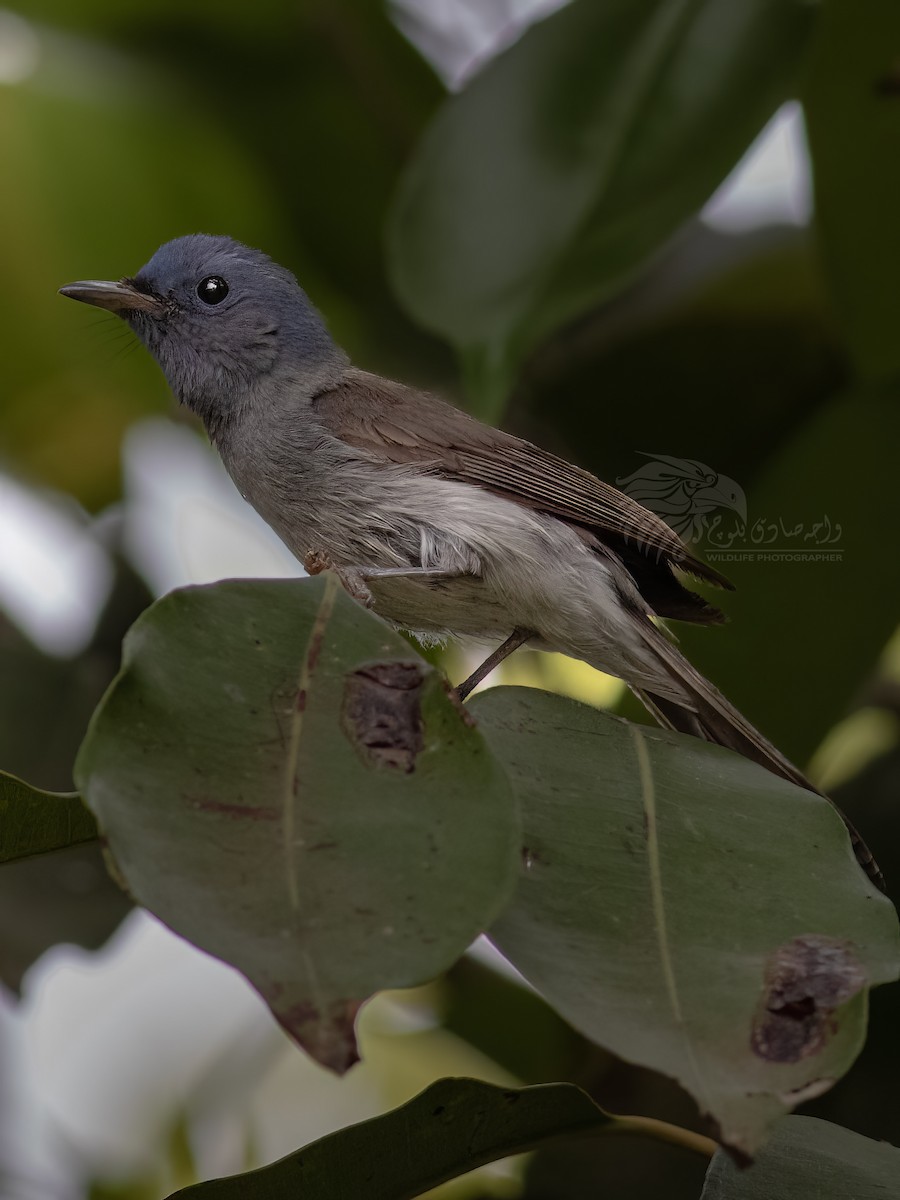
353	579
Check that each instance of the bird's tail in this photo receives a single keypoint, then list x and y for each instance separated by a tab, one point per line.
707	714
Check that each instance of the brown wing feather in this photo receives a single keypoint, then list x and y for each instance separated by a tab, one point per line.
401	424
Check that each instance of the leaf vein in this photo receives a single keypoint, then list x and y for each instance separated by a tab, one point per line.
648	800
289	787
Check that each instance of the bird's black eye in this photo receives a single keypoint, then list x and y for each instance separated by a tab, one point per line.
212	290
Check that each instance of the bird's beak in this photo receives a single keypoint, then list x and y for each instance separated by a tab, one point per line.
121	297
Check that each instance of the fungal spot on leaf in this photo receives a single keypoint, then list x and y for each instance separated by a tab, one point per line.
219	808
806	980
382	713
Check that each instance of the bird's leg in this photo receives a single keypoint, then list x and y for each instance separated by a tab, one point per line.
355	579
517	638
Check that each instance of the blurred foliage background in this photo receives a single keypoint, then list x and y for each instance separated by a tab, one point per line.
527	234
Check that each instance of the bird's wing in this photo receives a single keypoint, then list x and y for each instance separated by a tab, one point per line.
403	425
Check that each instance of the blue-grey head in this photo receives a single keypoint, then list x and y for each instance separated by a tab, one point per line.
221	320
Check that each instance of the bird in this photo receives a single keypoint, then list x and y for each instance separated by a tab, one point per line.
444	526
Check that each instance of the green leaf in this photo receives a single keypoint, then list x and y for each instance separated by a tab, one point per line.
452	1127
287	785
752	327
805	634
33	821
852	104
509	1023
543	186
68	897
687	909
806	1157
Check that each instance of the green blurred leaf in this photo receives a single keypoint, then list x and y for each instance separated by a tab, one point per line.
509	1023
687	909
852	104
65	897
543	186
312	791
45	705
35	822
108	163
807	1157
452	1127
322	104
721	354
806	632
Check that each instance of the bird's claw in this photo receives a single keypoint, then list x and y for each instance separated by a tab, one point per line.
315	562
353	579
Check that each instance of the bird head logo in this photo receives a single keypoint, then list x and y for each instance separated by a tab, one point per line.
685	493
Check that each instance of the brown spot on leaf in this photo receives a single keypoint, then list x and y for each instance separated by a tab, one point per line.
250	812
327	1036
806	980
383	713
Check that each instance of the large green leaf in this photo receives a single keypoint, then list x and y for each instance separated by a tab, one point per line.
286	784
809	1158
543	186
687	909
852	103
33	821
452	1127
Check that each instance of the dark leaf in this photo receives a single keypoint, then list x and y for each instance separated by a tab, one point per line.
34	822
63	897
452	1127
812	612
852	104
